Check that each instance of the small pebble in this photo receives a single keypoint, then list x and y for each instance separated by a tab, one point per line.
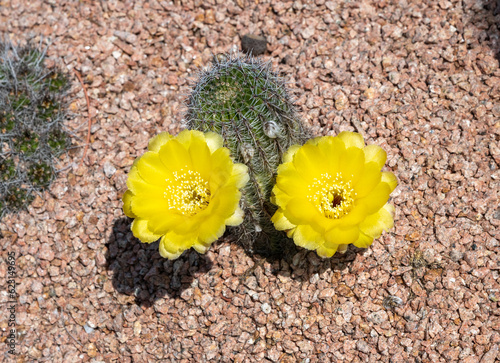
266	308
109	169
88	329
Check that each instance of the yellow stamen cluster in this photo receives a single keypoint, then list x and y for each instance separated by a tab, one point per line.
332	195
188	192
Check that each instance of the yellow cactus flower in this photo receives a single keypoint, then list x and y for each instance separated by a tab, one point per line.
331	192
185	190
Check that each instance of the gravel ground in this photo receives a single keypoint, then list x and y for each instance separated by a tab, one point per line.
420	78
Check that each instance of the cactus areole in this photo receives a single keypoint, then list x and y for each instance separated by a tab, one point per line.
242	99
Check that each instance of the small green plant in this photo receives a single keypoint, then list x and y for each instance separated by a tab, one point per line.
32	132
243	100
16	198
25	143
7	169
40	174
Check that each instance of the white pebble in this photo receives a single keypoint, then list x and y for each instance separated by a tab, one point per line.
266	308
88	329
109	169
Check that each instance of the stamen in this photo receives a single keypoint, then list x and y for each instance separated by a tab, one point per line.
332	195
187	192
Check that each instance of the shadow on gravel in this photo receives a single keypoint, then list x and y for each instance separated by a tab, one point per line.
140	271
494	6
302	265
483	18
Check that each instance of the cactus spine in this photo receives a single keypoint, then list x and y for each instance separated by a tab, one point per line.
242	99
32	112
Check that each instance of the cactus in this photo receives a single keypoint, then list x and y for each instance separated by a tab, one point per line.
242	99
32	112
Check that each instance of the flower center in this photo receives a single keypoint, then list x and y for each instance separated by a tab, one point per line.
187	192
332	195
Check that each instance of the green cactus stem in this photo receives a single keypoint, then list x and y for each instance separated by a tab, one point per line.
242	99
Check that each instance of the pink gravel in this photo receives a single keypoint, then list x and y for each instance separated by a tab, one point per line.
420	78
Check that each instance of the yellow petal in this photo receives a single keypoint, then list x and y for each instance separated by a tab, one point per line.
147	190
326	252
200	156
279	197
127	198
390	179
236	219
280	221
224	202
158	141
211	229
291	182
185	137
300	211
391	210
147	205
376	199
189	225
134	181
289	154
363	241
340	236
305	236
175	156
173	245
222	168
144	192
316	140
333	149
375	223
240	175
162	223
352	164
354	217
290	232
310	162
375	154
370	178
166	254
151	169
352	139
342	248
141	231
200	248
214	141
